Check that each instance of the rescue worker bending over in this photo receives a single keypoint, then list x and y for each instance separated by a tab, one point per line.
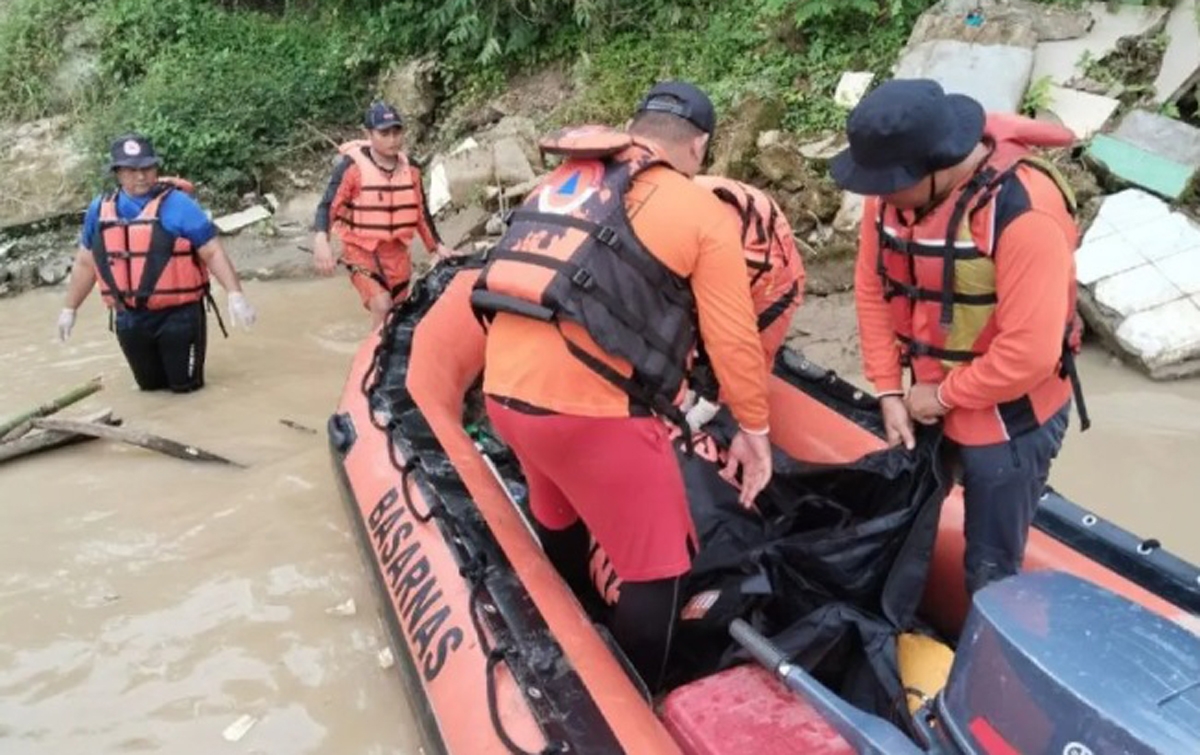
776	279
375	204
151	248
966	275
593	297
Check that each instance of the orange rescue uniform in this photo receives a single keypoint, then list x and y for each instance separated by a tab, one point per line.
998	360
376	213
687	229
772	261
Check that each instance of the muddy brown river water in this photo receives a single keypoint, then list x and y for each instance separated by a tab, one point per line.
148	604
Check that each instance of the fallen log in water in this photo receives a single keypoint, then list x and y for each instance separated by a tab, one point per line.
16	426
135	438
48	439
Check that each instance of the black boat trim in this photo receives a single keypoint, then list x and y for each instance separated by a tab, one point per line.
560	702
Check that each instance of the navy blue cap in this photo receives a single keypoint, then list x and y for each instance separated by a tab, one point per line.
903	131
132	151
382	116
681	99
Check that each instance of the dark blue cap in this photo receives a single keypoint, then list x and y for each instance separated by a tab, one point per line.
382	116
132	151
903	131
681	99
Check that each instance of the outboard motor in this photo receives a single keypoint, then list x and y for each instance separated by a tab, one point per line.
1049	663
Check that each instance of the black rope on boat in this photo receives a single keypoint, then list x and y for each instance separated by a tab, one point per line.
373	373
496	654
473	569
436	509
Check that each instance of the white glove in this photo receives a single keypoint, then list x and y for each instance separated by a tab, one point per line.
700	414
241	311
66	321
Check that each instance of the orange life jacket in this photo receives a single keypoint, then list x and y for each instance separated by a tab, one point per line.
139	264
387	207
775	268
939	274
570	253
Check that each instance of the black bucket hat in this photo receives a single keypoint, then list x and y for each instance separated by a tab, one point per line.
681	99
901	132
132	151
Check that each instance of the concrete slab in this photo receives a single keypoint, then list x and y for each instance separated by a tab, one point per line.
1108	256
1139	275
1136	290
1165	237
1082	112
1183	270
235	222
1060	60
439	189
1181	61
995	75
1131	208
1175	140
851	87
1162	336
1141	167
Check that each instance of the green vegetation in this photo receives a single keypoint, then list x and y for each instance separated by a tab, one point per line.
227	86
794	53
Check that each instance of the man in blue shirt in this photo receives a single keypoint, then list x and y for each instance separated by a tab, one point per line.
152	248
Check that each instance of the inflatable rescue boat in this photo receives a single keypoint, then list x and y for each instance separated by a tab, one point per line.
788	644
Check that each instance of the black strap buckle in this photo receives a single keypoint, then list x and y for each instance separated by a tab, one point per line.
607	236
583	279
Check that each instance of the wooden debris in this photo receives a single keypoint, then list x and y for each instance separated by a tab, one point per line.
297	426
49	439
9	427
136	438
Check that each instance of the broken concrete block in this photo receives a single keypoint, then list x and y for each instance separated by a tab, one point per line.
1183	270
823	149
463	174
1140	167
994	75
1109	256
439	189
521	129
511	165
849	215
851	87
1136	290
1175	140
1083	113
237	221
1165	237
1180	69
1060	60
1139	276
1163	336
1131	208
272	201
